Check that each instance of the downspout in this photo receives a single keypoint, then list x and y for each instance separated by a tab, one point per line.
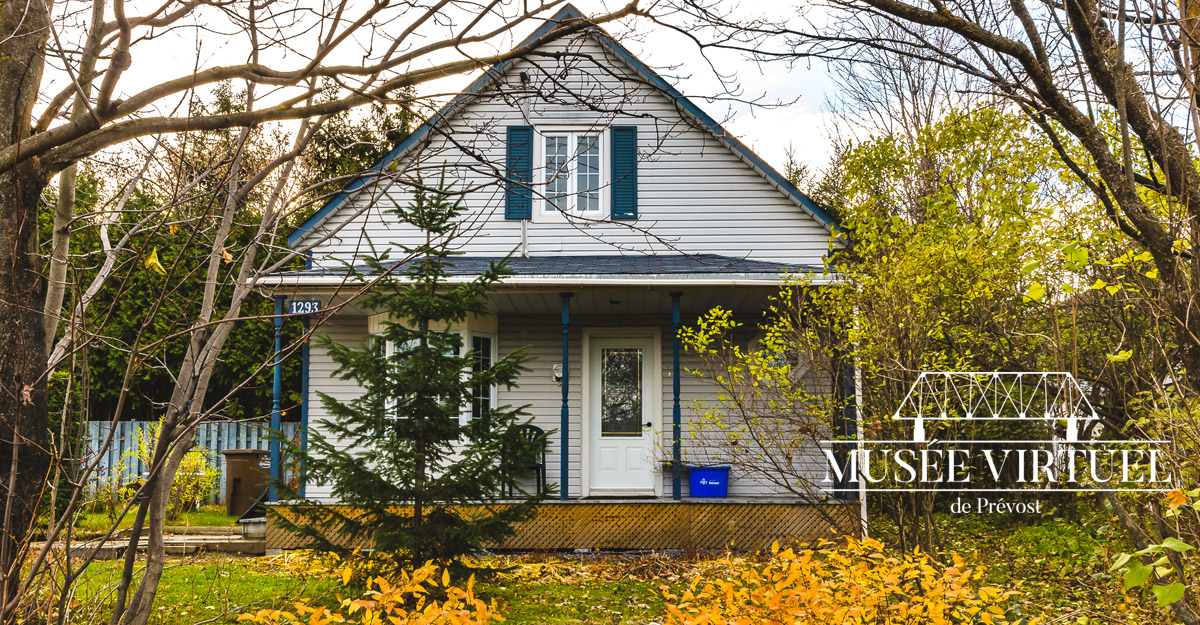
676	413
275	397
849	426
862	483
565	425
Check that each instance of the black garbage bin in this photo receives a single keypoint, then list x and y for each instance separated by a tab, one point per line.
247	478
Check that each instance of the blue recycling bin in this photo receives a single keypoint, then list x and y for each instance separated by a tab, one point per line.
709	482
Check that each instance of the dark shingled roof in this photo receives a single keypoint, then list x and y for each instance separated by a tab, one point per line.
601	265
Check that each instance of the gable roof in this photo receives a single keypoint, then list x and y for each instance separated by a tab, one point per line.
494	73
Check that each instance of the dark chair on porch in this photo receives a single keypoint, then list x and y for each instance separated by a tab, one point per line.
535	460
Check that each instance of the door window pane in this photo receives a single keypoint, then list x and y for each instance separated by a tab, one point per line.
620	391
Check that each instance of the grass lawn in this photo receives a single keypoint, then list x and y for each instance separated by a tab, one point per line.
200	588
1058	566
609	602
607	590
206	516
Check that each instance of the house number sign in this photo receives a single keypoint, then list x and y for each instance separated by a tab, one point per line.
304	307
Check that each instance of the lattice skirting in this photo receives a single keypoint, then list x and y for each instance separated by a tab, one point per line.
656	524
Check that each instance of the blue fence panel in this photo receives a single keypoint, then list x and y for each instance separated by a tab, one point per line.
215	437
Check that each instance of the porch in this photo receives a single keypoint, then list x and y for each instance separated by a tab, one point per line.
609	382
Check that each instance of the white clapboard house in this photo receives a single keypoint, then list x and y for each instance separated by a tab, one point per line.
629	211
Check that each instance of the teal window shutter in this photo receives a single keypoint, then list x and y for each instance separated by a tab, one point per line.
518	196
624	172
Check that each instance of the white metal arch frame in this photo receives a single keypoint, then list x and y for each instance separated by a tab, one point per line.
997	395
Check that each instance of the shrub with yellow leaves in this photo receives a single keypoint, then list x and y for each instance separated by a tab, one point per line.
855	583
410	600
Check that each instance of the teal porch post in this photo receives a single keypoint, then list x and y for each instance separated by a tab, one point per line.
276	416
676	412
565	424
303	405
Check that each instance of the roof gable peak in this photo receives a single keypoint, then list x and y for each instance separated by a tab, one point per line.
493	74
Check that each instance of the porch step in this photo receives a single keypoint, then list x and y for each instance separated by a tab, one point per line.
191	530
203	530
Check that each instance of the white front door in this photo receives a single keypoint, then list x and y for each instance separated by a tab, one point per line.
622	415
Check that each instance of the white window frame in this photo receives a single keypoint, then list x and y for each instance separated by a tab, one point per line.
464	413
467	335
543	210
469	344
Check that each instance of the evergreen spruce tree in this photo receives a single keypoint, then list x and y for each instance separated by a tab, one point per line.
406	454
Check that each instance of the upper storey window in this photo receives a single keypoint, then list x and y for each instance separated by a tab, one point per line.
586	172
572	173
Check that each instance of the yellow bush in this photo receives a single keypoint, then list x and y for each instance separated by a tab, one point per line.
856	583
407	602
196	479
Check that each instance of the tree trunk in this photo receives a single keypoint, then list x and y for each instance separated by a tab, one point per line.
64	211
24	457
142	602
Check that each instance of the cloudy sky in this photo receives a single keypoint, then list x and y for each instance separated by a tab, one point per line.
794	94
801	88
800	122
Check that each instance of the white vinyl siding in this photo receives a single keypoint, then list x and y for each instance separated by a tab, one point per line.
347	330
695	195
